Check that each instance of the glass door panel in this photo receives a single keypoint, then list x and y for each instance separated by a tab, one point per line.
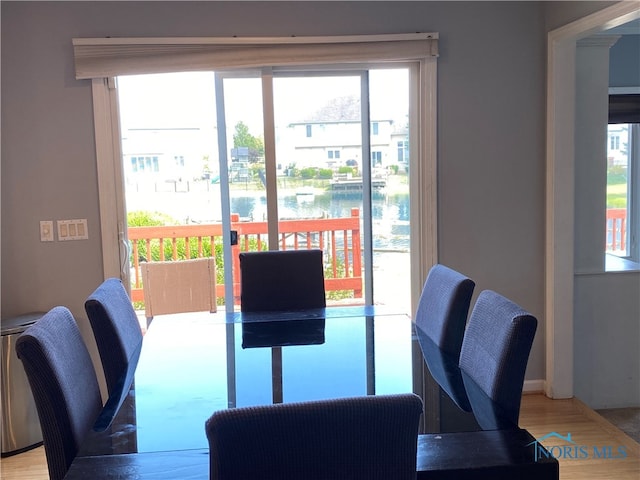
389	104
323	179
318	134
245	141
242	156
171	171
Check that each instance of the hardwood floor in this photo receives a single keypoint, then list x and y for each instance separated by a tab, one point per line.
539	415
30	465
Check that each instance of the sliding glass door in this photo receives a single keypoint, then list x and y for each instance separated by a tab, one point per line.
321	172
284	160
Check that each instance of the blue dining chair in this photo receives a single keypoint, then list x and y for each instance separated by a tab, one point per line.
64	385
443	307
440	322
494	357
280	280
116	329
370	437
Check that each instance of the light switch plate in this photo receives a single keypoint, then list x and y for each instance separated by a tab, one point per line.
73	229
46	231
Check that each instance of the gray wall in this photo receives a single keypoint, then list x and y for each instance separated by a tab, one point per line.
560	13
607	339
625	62
491	104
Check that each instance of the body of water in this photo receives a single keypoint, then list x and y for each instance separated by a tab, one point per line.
390	213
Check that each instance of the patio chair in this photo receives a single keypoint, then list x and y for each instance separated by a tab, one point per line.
179	286
64	385
371	437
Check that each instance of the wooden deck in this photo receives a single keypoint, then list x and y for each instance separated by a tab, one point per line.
338	238
616	229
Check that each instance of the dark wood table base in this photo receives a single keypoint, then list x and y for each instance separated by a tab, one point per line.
492	454
495	455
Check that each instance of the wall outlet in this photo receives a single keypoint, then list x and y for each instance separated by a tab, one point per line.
46	231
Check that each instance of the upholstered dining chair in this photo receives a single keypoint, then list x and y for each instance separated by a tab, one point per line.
179	286
440	322
116	329
494	357
64	385
279	280
370	437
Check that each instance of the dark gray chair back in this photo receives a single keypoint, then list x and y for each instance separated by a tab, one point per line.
371	437
440	321
64	385
494	356
116	329
444	306
280	280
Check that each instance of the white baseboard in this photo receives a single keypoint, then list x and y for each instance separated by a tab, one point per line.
533	386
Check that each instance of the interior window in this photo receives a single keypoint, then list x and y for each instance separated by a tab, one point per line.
622	195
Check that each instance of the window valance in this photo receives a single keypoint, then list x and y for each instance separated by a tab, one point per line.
106	57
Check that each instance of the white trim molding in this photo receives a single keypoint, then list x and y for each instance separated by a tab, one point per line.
533	386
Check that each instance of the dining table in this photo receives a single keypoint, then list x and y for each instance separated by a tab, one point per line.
190	365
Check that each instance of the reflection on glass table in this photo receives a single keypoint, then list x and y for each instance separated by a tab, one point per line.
463	391
283	333
194	364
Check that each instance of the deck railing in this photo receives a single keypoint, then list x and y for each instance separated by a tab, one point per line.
338	238
616	229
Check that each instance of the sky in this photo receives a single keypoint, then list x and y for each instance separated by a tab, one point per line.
181	100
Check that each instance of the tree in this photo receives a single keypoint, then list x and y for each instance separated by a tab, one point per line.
242	138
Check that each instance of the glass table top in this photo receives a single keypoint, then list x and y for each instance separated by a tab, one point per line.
194	364
191	365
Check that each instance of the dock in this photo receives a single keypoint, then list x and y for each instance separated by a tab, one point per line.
355	186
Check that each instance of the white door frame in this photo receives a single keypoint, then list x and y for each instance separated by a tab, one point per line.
561	53
113	221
